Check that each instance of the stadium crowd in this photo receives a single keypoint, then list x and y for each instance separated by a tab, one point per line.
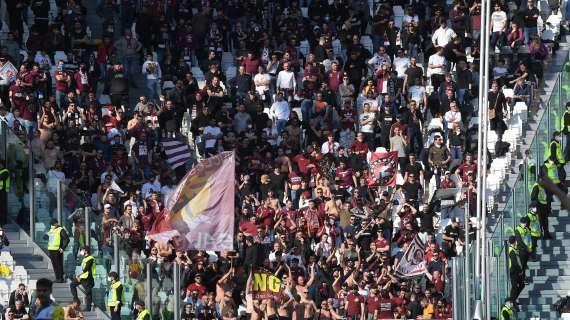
303	93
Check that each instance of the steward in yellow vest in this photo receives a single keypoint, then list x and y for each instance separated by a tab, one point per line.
58	239
524	240
142	312
507	311
115	295
516	269
86	277
535	229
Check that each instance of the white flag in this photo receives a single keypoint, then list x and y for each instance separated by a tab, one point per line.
115	186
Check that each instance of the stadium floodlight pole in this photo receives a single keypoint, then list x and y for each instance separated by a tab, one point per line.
480	145
483	231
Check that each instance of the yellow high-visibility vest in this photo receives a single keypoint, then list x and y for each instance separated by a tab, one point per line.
112	298
93	267
509	311
142	314
541	193
525	235
559	155
552	172
534	225
54	241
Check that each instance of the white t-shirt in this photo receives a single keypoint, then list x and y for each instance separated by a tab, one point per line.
442	36
417	93
436	59
215	131
499	20
452	117
261	77
367	128
401	65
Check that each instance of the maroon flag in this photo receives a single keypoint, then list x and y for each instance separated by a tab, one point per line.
383	169
200	213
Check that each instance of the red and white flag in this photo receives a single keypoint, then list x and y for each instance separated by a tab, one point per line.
383	169
177	152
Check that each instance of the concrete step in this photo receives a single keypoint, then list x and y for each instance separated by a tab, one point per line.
549	272
540	299
549	264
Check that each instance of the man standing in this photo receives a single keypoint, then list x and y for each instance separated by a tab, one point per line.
286	82
535	229
86	278
47	310
524	241
516	269
280	112
57	242
538	196
115	297
128	51
4	190
153	74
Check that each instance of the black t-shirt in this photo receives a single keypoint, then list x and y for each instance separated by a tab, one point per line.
277	182
412	190
414	168
453	233
413	74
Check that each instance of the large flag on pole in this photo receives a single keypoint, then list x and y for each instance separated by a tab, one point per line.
177	152
200	213
412	263
383	169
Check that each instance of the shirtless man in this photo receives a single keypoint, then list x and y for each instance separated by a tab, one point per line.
284	309
310	305
326	313
298	308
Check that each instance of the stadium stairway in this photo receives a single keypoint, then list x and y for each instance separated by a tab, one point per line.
37	265
550	275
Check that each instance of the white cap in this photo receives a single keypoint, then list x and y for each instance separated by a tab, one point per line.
107	206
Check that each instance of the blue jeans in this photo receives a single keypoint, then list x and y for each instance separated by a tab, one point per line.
456	153
529	33
306	110
153	86
60	98
280	124
130	65
497	39
461	96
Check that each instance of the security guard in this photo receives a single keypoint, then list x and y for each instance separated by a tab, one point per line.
142	312
4	190
86	278
115	296
550	169
554	152
48	310
507	311
58	239
524	241
535	230
566	130
538	197
516	270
